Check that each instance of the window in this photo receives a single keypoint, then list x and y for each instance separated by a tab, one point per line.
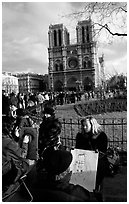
61	67
85	64
72	62
87	29
55	38
56	67
60	41
89	64
83	35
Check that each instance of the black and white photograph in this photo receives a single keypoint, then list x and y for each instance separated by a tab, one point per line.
64	101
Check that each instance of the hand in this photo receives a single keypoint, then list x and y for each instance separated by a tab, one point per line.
96	151
17	132
26	139
31	162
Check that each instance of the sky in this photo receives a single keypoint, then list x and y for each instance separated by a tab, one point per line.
25	37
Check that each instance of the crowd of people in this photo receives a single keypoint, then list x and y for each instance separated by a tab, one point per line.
49	174
24	100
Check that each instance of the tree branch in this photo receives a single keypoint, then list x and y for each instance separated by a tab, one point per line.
108	29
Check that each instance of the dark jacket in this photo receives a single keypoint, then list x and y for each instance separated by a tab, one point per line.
13	100
85	141
5	105
46	189
13	165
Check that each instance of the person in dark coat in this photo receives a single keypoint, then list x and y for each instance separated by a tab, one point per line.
13	100
49	133
52	185
14	162
92	137
5	104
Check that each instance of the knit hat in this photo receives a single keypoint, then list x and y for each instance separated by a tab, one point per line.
57	161
49	130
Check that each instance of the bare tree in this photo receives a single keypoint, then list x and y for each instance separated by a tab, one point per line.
106	16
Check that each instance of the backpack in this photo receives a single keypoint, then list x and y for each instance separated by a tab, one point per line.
12	184
113	159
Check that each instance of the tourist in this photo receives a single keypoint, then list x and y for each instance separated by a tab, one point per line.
92	137
49	133
53	185
13	99
5	104
14	161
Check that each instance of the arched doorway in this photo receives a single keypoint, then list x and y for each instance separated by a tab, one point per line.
88	84
71	84
58	86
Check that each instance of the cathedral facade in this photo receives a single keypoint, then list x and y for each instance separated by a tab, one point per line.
72	66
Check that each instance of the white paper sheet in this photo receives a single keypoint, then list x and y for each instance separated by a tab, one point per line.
84	168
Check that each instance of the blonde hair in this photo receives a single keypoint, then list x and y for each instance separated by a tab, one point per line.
95	126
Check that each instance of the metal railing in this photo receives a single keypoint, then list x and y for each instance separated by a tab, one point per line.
115	129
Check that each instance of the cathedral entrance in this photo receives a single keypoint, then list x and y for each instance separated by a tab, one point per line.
88	84
71	84
58	86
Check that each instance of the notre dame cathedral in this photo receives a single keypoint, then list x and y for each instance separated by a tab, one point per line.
72	66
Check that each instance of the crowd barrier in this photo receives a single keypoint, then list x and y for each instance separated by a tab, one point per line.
116	130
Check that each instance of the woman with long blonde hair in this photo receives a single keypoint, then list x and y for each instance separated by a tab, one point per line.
92	137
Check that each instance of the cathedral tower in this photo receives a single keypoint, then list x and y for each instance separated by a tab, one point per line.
71	66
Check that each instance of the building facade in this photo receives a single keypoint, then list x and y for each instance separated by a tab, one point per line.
72	66
9	83
30	82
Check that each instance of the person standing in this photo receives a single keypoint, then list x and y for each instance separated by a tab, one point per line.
92	137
